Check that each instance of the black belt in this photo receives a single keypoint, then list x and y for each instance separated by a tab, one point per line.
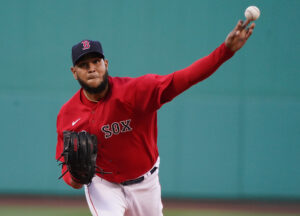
138	180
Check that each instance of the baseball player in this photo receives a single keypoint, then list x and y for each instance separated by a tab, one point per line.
122	114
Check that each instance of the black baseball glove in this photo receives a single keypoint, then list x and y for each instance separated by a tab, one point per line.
80	153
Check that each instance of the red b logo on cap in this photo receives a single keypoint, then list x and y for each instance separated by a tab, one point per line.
85	44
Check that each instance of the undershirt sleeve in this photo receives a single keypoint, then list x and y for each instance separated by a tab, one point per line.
198	71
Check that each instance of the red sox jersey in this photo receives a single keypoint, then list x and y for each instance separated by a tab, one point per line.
125	120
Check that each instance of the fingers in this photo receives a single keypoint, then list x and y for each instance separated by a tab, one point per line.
237	29
252	26
249	33
238	25
239	35
240	32
250	30
245	24
242	25
243	31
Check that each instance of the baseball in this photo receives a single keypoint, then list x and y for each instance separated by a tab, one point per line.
252	13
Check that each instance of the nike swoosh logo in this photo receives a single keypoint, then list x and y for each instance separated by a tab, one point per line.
74	122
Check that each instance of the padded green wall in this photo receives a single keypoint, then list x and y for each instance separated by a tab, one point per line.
235	135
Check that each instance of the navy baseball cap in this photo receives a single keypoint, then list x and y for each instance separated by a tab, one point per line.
85	47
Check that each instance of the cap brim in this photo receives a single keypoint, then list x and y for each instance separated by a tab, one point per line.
84	54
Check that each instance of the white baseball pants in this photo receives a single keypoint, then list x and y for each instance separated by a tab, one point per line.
110	199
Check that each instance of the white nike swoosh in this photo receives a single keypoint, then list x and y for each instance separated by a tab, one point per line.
74	122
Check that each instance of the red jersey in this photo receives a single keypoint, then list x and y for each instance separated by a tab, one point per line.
125	120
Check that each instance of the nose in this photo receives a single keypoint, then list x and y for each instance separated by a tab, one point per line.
91	67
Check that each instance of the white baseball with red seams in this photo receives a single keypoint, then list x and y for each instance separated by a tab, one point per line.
252	13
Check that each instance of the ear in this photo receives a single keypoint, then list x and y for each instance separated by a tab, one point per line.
106	63
73	69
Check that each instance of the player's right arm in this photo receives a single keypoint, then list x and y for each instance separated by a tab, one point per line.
152	91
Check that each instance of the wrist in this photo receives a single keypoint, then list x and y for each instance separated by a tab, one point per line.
68	178
75	184
229	48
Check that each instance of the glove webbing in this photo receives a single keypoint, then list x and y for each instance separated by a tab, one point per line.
82	144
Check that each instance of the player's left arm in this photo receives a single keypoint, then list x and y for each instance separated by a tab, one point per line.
66	175
204	67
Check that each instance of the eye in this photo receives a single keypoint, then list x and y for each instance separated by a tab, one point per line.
83	65
96	61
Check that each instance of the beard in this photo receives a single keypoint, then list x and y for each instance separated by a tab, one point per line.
95	90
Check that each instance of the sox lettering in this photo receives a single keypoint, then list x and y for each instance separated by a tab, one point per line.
115	128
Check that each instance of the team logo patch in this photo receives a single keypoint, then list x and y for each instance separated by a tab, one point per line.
85	45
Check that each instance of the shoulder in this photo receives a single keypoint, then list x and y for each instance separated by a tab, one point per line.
145	82
133	83
120	80
123	83
129	80
141	79
153	80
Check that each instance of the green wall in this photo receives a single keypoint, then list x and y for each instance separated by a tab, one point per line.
235	135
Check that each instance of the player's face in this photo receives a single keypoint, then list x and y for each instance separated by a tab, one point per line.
91	73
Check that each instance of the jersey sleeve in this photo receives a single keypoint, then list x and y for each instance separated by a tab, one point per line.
152	91
198	71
